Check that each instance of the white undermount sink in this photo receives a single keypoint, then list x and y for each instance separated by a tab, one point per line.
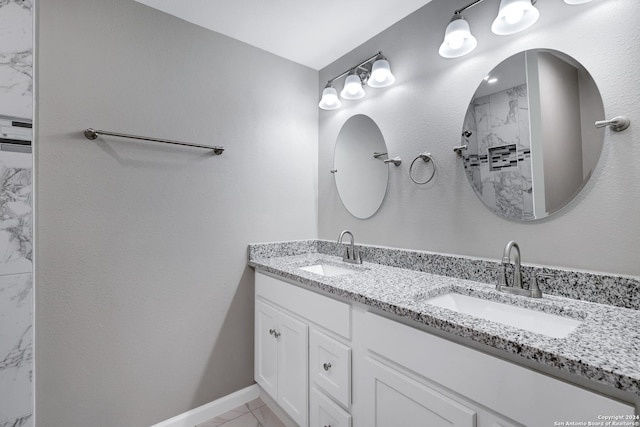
539	322
328	270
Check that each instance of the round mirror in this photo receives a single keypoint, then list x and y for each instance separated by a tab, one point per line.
530	135
358	166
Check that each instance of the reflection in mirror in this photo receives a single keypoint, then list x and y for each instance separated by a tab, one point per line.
529	129
359	169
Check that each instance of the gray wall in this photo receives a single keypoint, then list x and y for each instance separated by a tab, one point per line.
144	303
424	111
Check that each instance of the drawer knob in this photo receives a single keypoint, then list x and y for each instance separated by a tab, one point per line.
326	367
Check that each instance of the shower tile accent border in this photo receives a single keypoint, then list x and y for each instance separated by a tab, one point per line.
601	288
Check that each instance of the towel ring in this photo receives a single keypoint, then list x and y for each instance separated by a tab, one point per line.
427	158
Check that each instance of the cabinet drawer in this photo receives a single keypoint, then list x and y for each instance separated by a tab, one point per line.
325	413
324	311
330	366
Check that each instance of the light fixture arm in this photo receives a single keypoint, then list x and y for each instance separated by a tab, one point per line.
378	55
469	6
473	3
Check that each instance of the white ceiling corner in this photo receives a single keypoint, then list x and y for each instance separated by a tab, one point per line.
313	32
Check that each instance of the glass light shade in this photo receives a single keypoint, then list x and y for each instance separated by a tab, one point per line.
352	87
514	16
381	74
576	1
458	40
330	100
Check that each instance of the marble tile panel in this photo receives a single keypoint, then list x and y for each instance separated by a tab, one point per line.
16	348
16	58
16	201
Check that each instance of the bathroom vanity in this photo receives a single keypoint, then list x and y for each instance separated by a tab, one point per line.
362	345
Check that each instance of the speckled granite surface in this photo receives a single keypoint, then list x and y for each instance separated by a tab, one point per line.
621	291
605	348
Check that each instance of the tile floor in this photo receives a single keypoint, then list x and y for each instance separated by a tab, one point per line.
252	414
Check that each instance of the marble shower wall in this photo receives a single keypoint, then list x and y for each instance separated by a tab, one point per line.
498	162
16	283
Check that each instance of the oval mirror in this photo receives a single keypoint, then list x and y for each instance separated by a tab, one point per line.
358	166
530	135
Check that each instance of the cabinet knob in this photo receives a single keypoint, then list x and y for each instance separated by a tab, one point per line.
326	367
274	333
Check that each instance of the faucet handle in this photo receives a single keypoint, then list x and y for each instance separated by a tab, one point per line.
535	290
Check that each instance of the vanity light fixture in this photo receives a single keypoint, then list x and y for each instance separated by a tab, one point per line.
352	86
374	71
458	40
330	100
513	16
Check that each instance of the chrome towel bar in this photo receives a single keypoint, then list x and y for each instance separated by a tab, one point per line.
94	133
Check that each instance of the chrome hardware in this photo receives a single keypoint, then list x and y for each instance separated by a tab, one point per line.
506	260
516	288
396	161
466	133
353	255
274	333
94	133
535	290
460	148
333	170
326	366
426	157
377	155
616	124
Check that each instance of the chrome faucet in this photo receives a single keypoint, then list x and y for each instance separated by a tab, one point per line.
352	256
533	291
506	260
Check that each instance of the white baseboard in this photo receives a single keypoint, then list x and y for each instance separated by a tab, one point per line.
213	409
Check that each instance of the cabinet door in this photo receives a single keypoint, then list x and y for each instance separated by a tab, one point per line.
397	400
293	353
266	348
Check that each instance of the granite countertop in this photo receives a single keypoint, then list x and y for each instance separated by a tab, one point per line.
605	348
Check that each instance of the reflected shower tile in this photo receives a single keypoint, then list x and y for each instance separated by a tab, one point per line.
504	135
483	117
500	109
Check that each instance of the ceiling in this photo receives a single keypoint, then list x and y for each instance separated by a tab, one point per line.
311	32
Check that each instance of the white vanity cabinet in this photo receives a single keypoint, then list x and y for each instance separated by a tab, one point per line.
302	350
405	377
330	363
